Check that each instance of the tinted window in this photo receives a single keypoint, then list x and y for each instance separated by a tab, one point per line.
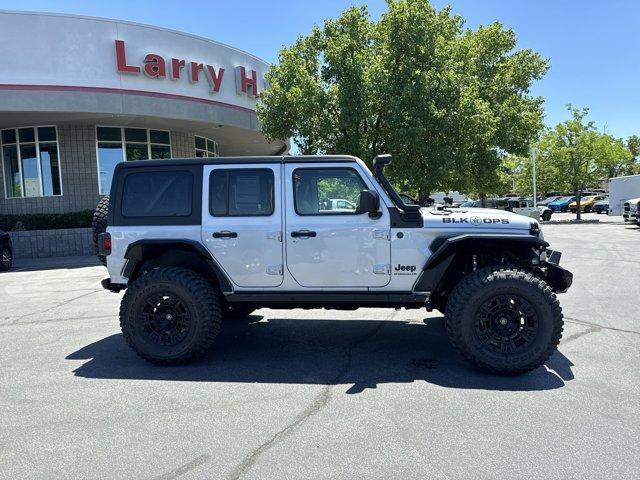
241	192
158	194
326	191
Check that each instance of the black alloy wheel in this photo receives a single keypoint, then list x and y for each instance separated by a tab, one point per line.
166	319
506	324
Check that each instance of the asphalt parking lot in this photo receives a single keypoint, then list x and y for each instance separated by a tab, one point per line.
371	393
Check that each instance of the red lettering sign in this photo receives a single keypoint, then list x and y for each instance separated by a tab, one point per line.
121	60
154	66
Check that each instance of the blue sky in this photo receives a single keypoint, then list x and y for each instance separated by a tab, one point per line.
593	46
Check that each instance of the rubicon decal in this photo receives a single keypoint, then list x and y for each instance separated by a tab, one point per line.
475	221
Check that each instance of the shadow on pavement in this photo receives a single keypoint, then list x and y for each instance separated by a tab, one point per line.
359	353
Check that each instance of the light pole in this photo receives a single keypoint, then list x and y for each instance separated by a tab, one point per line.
534	154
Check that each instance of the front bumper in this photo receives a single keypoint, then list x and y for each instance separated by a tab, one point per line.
558	278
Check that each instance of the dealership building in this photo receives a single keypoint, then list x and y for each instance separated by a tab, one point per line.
79	95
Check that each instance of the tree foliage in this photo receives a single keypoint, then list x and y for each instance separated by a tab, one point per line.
443	99
573	156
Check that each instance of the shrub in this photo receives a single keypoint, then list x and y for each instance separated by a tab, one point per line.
46	221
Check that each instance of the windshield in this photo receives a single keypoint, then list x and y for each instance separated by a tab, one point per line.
564	199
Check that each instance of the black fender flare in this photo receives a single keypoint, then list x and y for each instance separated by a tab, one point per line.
446	249
140	251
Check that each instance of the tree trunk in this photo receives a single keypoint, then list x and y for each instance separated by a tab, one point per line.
578	194
483	200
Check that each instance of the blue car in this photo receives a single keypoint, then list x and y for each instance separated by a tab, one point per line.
561	204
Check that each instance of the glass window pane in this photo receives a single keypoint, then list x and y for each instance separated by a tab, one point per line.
9	136
135	135
50	168
201	153
201	143
245	192
137	152
12	185
326	191
46	134
109	155
109	134
30	171
159	151
210	146
158	136
158	194
26	135
218	192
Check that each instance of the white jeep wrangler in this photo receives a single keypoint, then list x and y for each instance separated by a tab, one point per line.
197	241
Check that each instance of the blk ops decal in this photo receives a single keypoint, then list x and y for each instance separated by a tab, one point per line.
475	221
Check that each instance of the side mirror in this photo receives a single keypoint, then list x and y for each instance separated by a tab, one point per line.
368	202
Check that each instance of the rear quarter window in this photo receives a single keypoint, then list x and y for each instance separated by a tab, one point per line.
158	194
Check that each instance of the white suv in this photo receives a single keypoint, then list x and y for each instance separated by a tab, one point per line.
195	241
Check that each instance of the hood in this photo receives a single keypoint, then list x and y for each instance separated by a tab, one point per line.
475	220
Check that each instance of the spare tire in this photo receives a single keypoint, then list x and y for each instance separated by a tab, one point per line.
99	224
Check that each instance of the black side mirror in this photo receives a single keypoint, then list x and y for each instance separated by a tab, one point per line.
368	202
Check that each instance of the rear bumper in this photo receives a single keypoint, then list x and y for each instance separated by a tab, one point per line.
112	287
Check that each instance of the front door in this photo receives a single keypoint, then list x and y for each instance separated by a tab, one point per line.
329	244
242	222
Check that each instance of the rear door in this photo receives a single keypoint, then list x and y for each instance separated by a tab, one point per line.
242	222
328	244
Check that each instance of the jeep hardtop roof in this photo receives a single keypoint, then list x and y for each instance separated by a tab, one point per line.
240	160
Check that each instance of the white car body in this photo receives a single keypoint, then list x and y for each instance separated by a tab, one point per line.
352	252
622	189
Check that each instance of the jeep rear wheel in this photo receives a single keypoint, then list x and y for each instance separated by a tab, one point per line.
99	224
546	216
504	320
170	316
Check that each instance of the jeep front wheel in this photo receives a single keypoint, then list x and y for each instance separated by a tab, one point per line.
170	316
504	320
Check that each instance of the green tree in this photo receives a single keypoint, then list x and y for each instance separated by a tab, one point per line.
444	100
578	156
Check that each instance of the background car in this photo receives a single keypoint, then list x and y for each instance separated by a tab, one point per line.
6	253
601	206
586	203
408	199
548	200
561	204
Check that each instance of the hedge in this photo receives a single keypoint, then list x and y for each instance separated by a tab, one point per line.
46	221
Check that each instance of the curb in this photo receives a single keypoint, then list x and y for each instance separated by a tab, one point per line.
569	222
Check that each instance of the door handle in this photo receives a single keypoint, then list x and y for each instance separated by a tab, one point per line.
224	234
303	234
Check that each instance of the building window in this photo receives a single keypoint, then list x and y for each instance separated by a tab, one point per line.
120	144
205	147
31	162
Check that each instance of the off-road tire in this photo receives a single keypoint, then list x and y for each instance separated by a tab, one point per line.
475	290
236	312
6	259
199	300
546	216
587	209
99	224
